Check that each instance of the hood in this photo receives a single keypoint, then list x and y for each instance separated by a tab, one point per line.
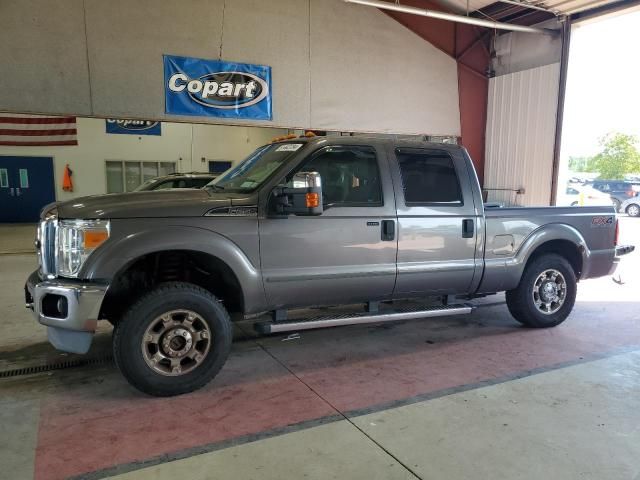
179	202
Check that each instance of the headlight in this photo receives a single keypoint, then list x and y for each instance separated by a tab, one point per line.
76	240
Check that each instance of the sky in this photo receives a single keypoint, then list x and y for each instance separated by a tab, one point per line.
603	83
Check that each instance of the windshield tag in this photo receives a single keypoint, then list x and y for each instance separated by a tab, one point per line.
288	147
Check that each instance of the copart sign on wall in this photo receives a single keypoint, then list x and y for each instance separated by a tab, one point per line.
214	88
133	127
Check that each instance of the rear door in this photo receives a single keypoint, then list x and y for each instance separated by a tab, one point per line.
343	255
437	222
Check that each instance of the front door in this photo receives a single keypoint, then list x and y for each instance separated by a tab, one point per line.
342	255
26	185
437	223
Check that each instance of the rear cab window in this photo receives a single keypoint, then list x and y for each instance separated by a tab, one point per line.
429	178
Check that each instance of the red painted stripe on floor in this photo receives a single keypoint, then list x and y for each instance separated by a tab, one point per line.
82	433
353	368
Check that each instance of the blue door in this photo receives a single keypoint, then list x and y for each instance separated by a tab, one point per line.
26	185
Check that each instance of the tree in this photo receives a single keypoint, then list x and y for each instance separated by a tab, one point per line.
581	164
619	156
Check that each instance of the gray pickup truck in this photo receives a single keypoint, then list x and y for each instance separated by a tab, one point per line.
302	223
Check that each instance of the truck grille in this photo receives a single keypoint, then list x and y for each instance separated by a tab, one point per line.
46	243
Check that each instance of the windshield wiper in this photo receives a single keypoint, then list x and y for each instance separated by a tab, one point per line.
219	187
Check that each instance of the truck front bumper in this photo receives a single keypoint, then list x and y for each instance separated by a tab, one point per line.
68	308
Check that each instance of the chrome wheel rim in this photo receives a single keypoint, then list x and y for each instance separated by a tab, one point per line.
549	291
633	210
176	342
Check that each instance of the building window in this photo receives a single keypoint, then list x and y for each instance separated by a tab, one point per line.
428	177
24	178
126	176
4	178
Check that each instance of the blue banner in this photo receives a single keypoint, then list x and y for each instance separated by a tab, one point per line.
214	88
133	127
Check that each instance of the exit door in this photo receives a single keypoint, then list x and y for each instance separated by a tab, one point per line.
26	185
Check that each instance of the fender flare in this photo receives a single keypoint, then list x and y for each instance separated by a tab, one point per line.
547	233
119	253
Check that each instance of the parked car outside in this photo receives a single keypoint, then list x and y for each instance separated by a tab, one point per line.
176	180
583	196
619	190
631	206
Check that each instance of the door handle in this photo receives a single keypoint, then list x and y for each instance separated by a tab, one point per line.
467	228
388	230
18	192
11	191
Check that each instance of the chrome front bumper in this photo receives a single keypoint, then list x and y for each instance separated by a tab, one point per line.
68	308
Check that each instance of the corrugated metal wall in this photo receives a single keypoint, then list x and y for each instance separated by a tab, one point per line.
521	124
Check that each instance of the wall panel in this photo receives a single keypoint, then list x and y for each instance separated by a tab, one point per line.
126	43
335	66
520	135
369	73
43	57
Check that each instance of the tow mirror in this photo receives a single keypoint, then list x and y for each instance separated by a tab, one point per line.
304	198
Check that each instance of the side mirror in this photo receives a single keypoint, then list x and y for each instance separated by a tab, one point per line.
304	198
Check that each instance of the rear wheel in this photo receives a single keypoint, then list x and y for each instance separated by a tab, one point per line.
174	340
546	293
633	210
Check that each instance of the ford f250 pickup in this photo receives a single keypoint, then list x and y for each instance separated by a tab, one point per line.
301	223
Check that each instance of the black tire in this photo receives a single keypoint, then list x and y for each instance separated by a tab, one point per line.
633	210
131	332
521	301
574	204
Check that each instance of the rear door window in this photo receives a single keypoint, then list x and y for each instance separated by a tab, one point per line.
429	177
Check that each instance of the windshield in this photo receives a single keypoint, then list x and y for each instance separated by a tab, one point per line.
146	185
255	169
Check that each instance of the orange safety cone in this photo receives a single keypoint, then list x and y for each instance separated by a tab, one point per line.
67	183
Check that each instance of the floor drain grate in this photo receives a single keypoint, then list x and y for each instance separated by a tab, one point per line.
80	362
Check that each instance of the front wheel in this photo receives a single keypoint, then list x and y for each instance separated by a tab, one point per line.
546	293
174	340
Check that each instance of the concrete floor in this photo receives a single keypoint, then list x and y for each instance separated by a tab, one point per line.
448	398
17	238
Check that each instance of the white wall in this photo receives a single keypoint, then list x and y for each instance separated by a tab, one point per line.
95	146
335	66
521	121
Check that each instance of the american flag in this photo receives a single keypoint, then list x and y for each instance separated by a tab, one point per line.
37	130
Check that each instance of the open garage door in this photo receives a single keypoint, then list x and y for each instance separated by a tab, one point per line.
600	154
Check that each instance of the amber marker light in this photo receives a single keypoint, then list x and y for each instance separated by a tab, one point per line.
94	238
313	200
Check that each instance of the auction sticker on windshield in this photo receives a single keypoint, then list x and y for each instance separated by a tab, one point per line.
288	147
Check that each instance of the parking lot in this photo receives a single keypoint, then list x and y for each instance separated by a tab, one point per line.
434	398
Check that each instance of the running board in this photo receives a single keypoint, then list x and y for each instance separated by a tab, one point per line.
363	318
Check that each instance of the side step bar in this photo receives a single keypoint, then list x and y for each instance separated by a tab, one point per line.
363	318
